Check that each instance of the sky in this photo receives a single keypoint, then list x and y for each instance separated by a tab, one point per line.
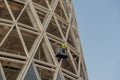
99	28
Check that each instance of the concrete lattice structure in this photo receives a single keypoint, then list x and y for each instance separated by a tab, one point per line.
31	32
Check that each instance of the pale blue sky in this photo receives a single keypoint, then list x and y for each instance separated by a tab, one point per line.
99	28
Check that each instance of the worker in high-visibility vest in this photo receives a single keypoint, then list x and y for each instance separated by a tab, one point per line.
63	46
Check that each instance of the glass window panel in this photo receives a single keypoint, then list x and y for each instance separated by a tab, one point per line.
31	74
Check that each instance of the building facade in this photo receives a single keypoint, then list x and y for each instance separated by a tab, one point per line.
31	33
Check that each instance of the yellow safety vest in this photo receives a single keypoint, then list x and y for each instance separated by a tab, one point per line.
63	45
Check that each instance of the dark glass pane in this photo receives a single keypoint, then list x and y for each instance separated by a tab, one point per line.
31	74
1	78
58	77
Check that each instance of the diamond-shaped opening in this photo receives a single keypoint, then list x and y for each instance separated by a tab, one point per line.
67	64
41	2
31	75
11	69
42	15
12	44
63	27
53	29
43	53
28	38
70	39
27	17
3	31
59	11
45	74
4	13
15	7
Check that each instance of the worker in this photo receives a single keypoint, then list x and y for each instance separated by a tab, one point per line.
62	52
64	47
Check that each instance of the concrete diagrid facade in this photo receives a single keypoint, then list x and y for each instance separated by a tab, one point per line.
31	31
